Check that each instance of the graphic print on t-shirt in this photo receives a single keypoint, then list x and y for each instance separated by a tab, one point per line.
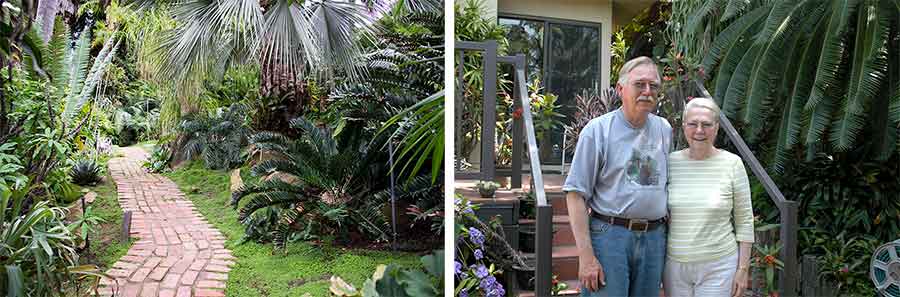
642	169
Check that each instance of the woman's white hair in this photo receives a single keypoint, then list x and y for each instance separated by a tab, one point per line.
702	102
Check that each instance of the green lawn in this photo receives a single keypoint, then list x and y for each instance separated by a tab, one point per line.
260	271
107	245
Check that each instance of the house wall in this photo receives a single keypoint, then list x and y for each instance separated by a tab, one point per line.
580	10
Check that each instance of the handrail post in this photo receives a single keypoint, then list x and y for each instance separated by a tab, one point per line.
489	116
789	275
543	250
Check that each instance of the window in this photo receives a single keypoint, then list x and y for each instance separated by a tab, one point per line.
564	55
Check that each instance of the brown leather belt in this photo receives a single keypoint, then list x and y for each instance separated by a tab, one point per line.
640	225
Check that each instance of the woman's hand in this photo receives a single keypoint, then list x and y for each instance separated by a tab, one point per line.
740	282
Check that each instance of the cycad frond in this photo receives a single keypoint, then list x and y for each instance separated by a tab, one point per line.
735	96
734	8
771	63
793	116
833	50
726	41
869	68
58	46
78	58
273	198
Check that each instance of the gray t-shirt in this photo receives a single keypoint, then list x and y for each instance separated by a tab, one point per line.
621	170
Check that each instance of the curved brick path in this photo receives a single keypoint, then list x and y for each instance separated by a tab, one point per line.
177	252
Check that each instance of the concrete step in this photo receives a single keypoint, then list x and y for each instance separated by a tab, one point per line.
572	290
563	234
565	262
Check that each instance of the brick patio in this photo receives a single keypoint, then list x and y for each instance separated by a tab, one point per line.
177	252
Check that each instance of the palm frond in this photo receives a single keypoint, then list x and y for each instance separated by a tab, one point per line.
337	26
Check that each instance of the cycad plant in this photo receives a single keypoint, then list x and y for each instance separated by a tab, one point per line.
823	76
319	184
217	139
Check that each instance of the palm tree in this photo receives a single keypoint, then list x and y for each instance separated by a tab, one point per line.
823	76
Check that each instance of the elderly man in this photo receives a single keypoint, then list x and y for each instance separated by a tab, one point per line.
616	191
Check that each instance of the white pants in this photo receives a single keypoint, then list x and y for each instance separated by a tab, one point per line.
712	278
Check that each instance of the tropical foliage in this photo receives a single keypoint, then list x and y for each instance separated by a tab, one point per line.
820	76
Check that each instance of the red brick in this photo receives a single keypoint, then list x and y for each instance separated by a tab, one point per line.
215	276
211	284
198	264
166	293
152	262
171	280
158	273
209	293
150	290
189	277
184	291
140	275
217	268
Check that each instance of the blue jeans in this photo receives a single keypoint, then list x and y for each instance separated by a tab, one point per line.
632	261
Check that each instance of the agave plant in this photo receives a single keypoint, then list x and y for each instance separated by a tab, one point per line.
85	172
317	183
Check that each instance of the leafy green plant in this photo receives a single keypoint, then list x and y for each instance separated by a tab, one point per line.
159	160
844	260
85	172
591	103
86	223
318	182
10	166
766	259
217	139
471	25
817	71
391	280
36	248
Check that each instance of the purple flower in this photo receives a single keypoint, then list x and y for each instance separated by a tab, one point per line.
463	293
476	236
480	270
478	254
491	287
458	267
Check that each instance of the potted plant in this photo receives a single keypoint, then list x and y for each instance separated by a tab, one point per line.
487	188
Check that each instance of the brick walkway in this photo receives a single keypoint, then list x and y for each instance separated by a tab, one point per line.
177	252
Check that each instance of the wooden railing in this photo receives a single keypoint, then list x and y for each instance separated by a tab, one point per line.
789	280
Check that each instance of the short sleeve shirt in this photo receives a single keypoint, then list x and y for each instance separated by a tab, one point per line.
621	170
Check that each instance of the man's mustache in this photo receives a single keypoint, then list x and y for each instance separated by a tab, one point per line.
646	98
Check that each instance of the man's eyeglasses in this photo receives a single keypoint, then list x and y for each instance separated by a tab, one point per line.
642	85
694	125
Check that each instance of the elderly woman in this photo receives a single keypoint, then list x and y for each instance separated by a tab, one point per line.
711	219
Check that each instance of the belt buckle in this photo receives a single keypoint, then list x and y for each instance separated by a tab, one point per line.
638	222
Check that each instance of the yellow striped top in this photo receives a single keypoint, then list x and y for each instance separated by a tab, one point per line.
709	206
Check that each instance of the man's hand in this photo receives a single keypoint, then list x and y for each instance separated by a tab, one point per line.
740	282
590	272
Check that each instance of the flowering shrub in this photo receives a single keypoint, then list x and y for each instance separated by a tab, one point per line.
475	275
766	259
